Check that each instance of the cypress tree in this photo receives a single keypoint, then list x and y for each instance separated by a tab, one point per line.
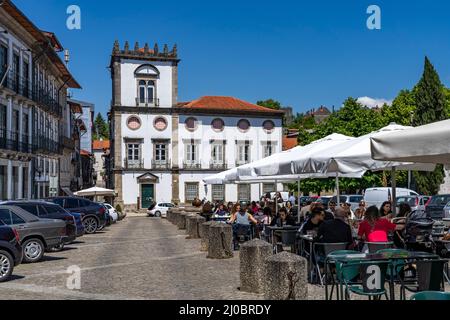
431	102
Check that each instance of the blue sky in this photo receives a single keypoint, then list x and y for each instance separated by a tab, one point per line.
302	53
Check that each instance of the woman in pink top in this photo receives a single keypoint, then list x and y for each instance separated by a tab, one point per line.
376	229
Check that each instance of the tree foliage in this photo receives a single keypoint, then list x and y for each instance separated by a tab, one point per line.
427	102
100	128
270	103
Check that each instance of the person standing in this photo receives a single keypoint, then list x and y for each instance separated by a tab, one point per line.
292	199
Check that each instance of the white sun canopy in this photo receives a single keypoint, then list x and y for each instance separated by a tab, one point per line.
298	157
95	191
355	155
426	144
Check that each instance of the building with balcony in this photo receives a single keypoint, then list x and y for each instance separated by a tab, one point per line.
33	89
161	148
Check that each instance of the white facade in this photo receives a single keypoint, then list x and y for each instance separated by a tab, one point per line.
161	150
32	100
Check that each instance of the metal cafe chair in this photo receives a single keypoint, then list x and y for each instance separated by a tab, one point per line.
330	260
348	271
431	295
321	252
377	246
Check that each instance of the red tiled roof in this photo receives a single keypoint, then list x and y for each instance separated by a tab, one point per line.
226	103
322	111
289	143
100	144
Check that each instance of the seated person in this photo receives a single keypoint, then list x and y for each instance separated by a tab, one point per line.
314	221
283	219
221	211
376	229
241	223
336	230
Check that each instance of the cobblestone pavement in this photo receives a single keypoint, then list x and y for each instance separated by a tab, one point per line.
138	258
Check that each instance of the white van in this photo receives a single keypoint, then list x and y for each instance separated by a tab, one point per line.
376	196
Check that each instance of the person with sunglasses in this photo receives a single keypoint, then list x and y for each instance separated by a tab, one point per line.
361	211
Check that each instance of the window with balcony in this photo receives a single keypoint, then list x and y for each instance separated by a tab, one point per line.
218	155
3	60
15	72
147	93
133	159
243	153
192	156
161	155
26	79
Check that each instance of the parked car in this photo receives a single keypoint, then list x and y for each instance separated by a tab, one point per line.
376	196
10	251
160	210
324	201
415	202
352	199
94	215
447	211
435	209
112	212
49	210
36	235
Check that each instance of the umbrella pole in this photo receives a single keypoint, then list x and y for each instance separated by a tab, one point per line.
299	205
394	191
276	199
338	195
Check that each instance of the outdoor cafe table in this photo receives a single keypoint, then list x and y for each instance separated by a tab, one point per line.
218	218
277	229
385	256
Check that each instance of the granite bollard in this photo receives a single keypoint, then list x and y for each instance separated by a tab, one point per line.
174	216
181	221
193	226
252	256
286	277
189	215
204	235
220	240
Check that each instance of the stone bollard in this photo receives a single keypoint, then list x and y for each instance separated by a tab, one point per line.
174	216
181	221
204	234
189	222
252	256
286	277
169	214
220	241
194	226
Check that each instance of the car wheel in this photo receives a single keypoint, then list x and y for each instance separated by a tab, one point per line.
90	225
33	250
6	265
157	214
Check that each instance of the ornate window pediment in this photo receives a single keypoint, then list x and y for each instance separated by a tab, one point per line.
148	178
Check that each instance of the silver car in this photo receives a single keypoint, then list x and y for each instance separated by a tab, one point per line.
447	211
36	235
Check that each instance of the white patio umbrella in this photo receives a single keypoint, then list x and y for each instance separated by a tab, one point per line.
355	155
95	191
427	144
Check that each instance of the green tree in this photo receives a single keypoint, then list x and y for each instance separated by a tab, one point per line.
101	130
431	101
270	103
402	109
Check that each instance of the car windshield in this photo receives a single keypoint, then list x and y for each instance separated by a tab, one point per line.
409	200
440	200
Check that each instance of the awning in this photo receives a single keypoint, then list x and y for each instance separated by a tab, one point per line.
75	107
67	191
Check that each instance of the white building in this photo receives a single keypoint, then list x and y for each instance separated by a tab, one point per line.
162	149
33	111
